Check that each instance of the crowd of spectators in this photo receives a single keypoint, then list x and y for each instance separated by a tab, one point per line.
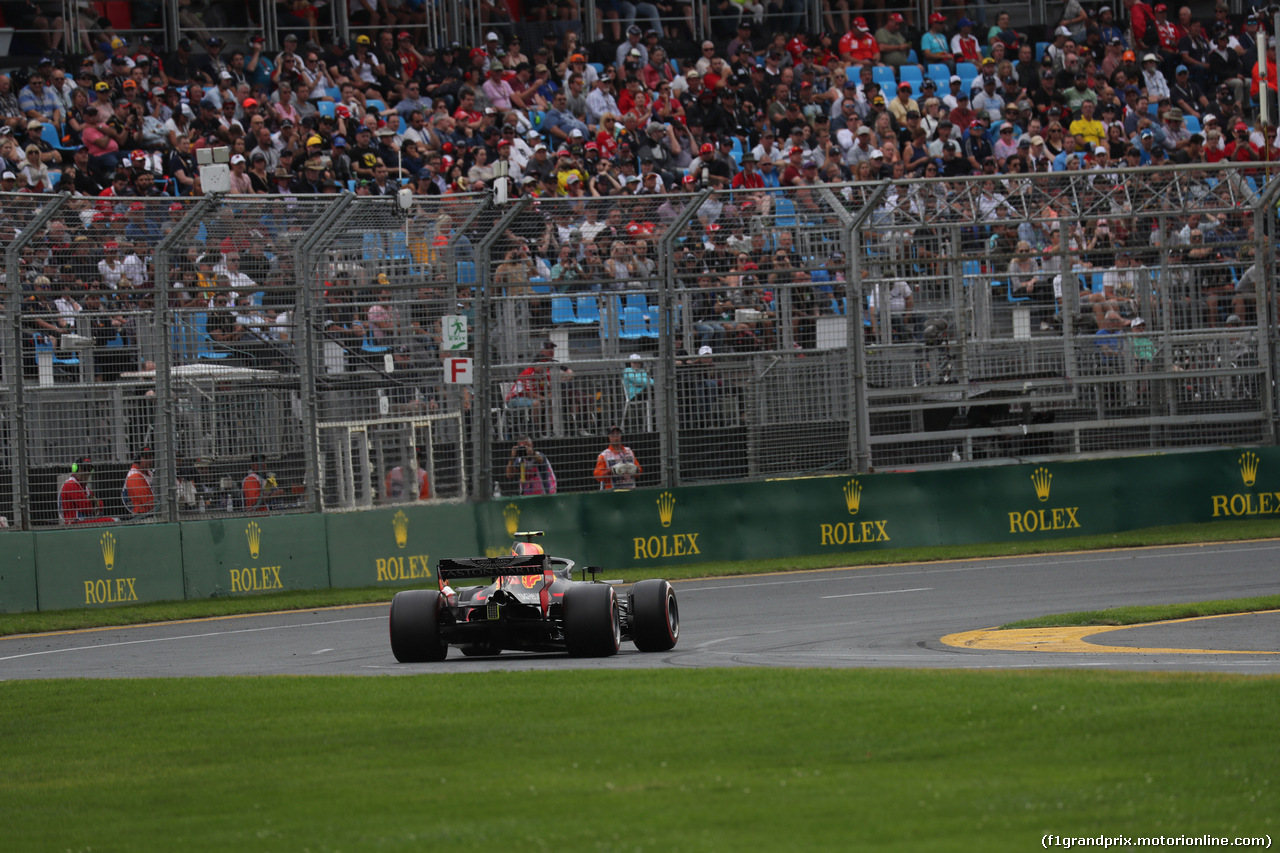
791	110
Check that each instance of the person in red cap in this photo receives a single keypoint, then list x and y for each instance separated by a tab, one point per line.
934	46
859	45
894	46
1240	148
1169	34
710	172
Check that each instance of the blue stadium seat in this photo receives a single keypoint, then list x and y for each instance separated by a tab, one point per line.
467	272
1041	47
588	310
883	75
562	310
326	109
1192	123
965	71
784	213
634	323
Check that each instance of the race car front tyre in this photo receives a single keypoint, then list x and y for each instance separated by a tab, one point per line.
655	616
415	626
591	626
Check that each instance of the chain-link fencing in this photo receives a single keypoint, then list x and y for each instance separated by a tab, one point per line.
286	354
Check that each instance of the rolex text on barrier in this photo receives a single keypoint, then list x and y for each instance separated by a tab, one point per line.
246	556
394	547
104	566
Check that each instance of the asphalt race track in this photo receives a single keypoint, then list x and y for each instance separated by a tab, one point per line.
885	616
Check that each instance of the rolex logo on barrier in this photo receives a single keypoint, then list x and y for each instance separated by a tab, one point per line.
116	590
1249	503
253	533
511	515
1046	519
400	524
666	508
255	578
852	496
108	543
668	544
1041	479
853	532
1249	469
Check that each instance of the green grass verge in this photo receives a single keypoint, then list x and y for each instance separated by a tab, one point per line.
1152	613
66	620
647	760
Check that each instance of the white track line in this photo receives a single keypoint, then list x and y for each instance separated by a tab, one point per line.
882	592
186	637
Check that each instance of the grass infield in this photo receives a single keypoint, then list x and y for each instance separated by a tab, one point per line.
68	620
647	760
1152	613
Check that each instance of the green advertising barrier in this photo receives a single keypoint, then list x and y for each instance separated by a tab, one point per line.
559	516
243	556
635	533
103	566
18	573
761	520
397	547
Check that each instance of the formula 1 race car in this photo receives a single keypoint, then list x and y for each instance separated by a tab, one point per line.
532	604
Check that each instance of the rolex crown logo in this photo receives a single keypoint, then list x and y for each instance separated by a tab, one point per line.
400	524
666	508
853	496
1041	478
108	543
253	533
1249	469
511	515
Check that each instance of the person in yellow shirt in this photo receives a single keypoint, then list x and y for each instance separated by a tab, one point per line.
1087	129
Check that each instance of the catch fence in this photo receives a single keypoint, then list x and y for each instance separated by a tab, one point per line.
289	354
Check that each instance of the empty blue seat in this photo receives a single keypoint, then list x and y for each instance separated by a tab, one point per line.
467	272
634	323
784	213
562	310
588	310
326	109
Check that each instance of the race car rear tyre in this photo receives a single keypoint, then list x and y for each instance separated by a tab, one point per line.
591	626
415	626
655	616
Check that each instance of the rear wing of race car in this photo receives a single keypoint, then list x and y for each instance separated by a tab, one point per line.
454	568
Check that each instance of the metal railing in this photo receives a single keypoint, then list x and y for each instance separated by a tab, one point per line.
301	342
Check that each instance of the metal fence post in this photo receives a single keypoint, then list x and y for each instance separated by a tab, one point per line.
482	385
665	391
856	352
303	268
1265	233
166	438
13	304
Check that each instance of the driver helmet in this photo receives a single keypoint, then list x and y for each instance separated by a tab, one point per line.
526	549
